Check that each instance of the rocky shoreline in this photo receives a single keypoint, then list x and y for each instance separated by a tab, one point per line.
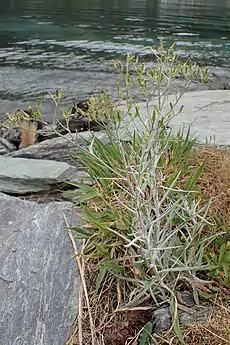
39	282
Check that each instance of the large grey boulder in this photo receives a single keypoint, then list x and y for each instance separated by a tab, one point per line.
20	175
39	279
61	149
206	112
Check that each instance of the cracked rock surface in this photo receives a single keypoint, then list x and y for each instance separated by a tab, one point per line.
39	280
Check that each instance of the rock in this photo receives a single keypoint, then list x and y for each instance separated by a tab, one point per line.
6	146
60	149
162	320
186	298
219	83
20	128
21	176
11	134
198	314
39	279
207	112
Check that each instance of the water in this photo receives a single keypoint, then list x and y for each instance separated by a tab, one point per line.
69	44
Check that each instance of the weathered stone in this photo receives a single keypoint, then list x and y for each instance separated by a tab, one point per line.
61	149
219	83
11	133
6	146
207	113
162	320
20	175
39	280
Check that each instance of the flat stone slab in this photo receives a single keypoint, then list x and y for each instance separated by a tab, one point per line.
62	149
20	175
39	280
207	112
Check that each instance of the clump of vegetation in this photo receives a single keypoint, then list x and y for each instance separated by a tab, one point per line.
147	225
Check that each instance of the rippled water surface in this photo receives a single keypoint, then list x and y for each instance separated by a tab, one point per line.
49	44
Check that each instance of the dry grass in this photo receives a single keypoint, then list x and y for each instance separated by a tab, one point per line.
214	183
28	133
215	332
110	328
122	328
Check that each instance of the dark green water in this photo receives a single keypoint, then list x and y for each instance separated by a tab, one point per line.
48	44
